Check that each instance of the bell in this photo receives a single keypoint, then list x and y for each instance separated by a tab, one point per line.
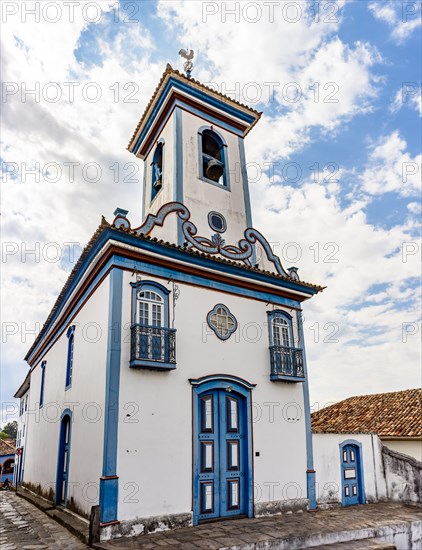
214	170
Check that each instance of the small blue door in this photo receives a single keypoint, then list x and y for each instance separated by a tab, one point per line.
350	475
220	477
63	461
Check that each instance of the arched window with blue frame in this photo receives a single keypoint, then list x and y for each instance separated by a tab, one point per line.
213	157
157	169
286	358
152	341
281	331
70	349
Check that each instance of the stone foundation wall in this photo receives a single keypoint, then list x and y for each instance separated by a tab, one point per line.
403	475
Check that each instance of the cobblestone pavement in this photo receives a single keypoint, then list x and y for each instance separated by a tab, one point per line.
24	527
266	532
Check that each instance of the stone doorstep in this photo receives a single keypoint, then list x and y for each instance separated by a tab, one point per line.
76	526
365	544
40	502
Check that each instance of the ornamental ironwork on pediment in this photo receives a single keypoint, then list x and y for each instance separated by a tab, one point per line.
243	251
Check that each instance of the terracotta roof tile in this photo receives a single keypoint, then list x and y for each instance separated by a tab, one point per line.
7	447
170	71
395	414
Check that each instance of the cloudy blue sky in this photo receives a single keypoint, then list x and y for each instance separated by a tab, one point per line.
334	162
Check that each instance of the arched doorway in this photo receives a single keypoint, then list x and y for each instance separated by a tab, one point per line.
63	457
222	442
352	483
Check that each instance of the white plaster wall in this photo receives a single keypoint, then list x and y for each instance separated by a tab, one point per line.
328	466
411	448
85	398
155	444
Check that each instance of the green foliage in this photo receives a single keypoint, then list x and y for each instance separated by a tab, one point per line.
11	429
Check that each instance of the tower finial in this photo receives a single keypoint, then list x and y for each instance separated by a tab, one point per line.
188	65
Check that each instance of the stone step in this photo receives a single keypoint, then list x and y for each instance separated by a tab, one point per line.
364	544
76	525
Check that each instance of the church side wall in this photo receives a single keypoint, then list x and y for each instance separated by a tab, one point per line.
155	442
85	398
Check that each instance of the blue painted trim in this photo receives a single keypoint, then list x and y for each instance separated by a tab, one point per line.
311	488
229	314
225	161
178	168
173	253
153	365
212	129
359	461
278	377
109	496
310	472
43	365
70	352
201	114
242	387
225	381
197	94
194	259
59	474
222	218
160	143
156	287
280	313
144	193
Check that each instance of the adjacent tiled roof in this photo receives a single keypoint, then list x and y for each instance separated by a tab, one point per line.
170	71
7	447
395	414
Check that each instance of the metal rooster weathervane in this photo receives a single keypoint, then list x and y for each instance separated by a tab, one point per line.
188	65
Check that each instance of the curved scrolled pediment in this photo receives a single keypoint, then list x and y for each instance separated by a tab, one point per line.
242	251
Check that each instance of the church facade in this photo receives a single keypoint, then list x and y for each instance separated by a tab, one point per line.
169	384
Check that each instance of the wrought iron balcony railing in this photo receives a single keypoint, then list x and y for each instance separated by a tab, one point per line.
287	364
153	347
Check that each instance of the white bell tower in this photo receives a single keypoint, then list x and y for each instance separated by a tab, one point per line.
191	139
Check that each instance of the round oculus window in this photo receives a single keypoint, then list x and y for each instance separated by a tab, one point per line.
217	222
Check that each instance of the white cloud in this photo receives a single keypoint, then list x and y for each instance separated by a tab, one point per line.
354	334
235	54
392	168
415	207
411	96
402	17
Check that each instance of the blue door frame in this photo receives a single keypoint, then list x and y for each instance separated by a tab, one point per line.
352	482
222	444
63	458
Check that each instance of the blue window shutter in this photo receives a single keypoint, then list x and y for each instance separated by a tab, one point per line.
43	365
70	348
